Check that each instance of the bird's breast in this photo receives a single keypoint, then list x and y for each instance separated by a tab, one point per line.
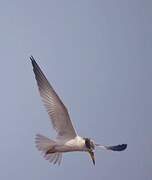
76	144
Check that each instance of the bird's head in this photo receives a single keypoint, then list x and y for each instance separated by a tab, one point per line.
90	147
89	144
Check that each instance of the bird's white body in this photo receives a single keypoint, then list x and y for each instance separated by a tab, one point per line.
58	145
76	144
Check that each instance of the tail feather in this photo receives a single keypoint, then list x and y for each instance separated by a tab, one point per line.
52	157
44	145
57	158
60	159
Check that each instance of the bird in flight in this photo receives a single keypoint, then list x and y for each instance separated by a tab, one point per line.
67	139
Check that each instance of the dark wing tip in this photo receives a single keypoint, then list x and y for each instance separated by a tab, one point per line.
32	58
121	147
34	64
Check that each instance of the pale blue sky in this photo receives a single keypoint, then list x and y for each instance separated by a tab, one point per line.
98	57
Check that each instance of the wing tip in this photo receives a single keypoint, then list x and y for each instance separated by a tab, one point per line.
34	64
120	147
32	58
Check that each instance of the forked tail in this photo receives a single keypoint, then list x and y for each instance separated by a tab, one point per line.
46	145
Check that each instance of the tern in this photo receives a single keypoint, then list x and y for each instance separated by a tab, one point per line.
67	139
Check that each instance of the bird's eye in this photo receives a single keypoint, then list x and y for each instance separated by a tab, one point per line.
87	143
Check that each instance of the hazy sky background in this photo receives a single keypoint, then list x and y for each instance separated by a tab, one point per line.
97	54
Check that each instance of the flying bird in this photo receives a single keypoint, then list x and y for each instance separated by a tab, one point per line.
67	139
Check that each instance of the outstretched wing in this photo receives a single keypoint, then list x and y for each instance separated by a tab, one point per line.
56	109
120	147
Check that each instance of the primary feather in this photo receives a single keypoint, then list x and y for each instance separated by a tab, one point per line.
56	109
